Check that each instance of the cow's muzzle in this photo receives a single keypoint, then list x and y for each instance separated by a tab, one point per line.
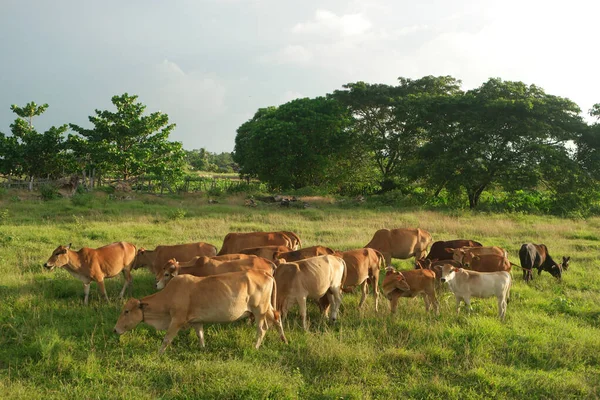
443	280
48	267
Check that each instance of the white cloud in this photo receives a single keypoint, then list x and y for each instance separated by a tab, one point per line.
290	95
326	22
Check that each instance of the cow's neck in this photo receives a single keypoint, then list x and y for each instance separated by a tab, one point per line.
74	263
156	316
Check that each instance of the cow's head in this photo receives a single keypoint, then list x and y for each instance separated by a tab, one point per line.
132	314
401	283
565	263
168	272
142	258
423	264
59	258
448	272
556	271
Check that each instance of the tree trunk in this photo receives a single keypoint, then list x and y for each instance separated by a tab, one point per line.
92	178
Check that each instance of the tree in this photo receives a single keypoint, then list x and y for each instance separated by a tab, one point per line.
128	143
497	133
29	111
388	123
298	144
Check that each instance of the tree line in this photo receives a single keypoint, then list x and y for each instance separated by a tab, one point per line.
427	135
121	145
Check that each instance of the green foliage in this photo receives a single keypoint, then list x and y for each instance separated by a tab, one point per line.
49	192
82	199
202	160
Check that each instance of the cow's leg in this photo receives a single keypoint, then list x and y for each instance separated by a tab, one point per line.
127	277
302	306
539	271
467	301
501	307
174	327
337	302
261	328
388	259
200	333
364	287
433	300
457	304
394	303
426	300
86	292
102	288
275	318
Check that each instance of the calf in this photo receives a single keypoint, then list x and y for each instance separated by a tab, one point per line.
301	254
312	278
537	256
156	259
190	300
205	266
89	265
488	263
410	283
466	284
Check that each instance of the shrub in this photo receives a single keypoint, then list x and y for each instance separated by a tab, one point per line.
49	192
177	214
82	199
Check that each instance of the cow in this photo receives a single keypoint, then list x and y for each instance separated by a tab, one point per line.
234	242
435	266
225	257
155	259
265	251
362	267
312	278
301	254
410	283
488	263
190	300
464	255
205	266
89	265
438	249
295	241
537	256
466	284
401	243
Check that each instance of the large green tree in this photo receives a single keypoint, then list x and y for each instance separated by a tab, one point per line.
128	143
498	133
306	142
388	120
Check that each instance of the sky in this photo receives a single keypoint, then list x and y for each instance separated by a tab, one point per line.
211	64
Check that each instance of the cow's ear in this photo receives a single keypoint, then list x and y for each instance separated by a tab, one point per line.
566	259
141	250
172	267
455	269
142	306
438	268
69	246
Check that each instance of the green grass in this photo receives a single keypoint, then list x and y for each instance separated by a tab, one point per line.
51	346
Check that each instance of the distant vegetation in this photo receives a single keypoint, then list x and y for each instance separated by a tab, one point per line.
430	139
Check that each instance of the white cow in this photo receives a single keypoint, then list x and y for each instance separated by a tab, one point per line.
466	284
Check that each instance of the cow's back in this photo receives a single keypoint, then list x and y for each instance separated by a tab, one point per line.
181	252
111	259
234	242
489	263
438	249
357	265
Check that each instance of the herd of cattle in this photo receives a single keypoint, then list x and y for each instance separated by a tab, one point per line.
263	274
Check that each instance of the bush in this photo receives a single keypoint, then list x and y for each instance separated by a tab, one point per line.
49	192
82	199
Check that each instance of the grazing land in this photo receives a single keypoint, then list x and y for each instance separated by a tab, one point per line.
52	346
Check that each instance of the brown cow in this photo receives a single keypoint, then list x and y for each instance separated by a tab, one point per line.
156	259
435	266
312	278
89	265
410	283
205	266
488	263
401	243
301	254
234	242
265	251
225	257
362	267
438	249
190	300
464	254
294	239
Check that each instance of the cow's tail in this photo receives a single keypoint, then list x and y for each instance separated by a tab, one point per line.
345	273
381	259
276	314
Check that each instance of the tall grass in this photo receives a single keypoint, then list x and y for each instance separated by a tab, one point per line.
51	346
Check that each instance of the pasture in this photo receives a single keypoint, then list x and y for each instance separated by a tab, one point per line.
52	346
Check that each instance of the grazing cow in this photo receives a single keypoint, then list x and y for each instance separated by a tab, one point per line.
301	254
410	283
190	300
234	242
265	251
311	278
362	267
466	284
438	249
401	243
89	265
205	266
464	255
156	259
537	256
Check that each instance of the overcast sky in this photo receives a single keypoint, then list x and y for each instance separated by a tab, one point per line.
210	64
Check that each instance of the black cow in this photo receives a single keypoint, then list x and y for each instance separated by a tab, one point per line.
438	249
537	256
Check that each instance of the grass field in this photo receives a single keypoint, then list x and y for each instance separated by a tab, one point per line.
51	346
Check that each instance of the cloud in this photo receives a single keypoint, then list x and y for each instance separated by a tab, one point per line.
290	95
326	22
